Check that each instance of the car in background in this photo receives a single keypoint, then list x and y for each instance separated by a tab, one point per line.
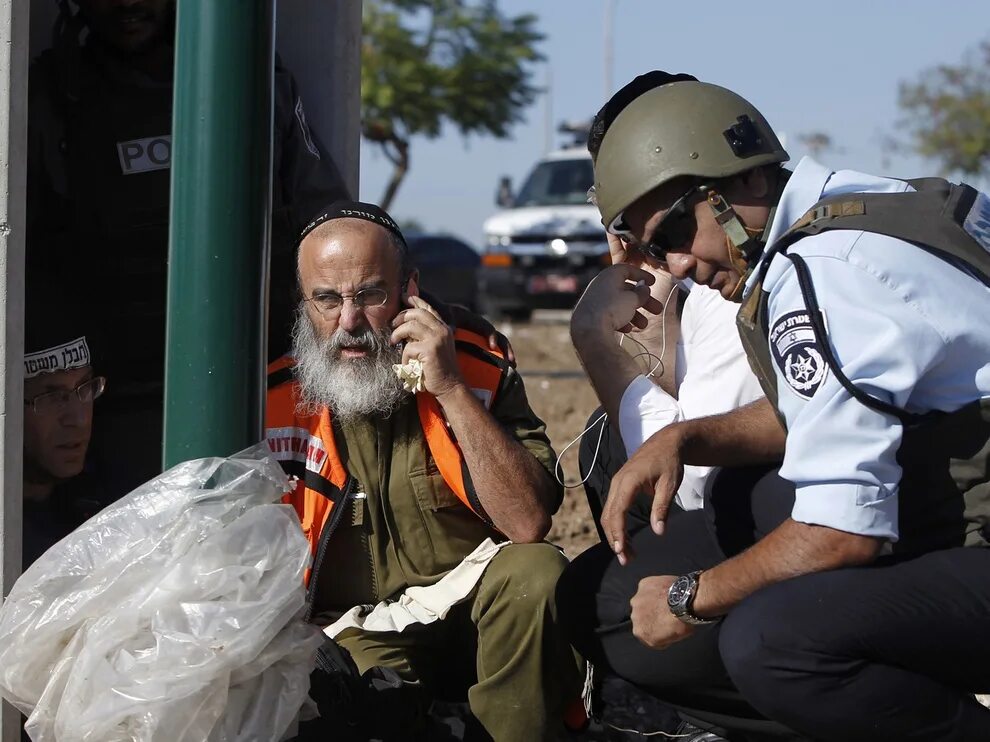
448	267
544	248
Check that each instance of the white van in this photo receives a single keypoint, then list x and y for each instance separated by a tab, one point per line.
542	250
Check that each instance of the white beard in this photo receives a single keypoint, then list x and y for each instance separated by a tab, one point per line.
351	388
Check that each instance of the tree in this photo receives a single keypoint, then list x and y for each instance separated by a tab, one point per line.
816	142
429	62
948	114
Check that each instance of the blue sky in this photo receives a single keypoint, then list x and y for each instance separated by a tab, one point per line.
809	66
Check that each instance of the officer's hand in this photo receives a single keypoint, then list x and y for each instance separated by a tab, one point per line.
657	469
620	252
465	319
613	300
652	622
430	339
630	254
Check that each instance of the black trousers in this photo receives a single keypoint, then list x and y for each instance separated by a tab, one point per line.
892	651
601	454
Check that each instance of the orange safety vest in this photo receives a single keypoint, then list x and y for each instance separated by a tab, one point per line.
304	444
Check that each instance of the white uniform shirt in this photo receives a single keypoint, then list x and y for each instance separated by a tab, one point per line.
712	376
906	326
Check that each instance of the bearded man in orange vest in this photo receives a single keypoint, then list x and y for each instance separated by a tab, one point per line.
425	494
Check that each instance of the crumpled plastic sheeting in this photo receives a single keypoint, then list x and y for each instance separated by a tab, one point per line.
174	615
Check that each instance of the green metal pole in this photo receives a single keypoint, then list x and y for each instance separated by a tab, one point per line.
218	241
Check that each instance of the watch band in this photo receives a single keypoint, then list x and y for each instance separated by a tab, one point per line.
680	600
689	618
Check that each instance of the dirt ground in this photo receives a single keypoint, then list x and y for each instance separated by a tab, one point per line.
561	395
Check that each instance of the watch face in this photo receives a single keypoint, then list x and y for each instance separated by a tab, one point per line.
678	593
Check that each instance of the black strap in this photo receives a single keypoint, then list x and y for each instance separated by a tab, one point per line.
481	354
312	480
279	377
821	337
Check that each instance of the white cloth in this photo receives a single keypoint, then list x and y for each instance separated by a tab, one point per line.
422	605
712	376
907	327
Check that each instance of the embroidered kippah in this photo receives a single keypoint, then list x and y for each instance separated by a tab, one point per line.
353	210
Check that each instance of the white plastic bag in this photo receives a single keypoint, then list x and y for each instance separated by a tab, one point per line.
173	615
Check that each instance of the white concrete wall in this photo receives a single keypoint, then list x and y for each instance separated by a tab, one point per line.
14	28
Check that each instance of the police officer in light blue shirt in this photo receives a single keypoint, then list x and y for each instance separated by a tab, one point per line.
908	328
862	614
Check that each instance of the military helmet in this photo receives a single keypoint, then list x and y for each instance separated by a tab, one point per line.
680	129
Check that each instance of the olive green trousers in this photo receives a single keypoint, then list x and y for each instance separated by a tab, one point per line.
502	645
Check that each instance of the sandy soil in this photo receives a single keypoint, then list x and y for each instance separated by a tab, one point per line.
560	394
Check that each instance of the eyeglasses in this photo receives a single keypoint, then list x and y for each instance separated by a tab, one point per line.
330	302
59	399
674	229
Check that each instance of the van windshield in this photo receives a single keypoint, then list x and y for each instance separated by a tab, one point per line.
557	182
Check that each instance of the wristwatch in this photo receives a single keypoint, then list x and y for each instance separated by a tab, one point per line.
680	598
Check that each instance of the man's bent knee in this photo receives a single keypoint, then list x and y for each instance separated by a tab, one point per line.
759	648
525	572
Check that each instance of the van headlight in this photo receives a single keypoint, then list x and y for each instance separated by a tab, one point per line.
498	242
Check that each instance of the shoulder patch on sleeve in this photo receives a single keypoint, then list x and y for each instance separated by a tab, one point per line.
796	353
304	128
978	221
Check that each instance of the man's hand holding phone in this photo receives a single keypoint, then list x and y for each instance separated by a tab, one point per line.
430	340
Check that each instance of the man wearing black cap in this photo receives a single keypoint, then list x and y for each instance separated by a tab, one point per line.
416	476
59	389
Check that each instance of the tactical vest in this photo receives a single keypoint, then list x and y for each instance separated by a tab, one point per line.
116	155
305	444
944	492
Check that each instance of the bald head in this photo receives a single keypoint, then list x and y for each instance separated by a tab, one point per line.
345	242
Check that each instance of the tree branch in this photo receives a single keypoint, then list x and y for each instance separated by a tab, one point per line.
401	163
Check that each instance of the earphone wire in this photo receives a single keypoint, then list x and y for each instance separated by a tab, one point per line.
558	470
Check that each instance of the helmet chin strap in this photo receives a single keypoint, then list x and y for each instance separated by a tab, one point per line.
739	262
743	244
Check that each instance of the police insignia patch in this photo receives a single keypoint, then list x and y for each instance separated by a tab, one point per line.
796	353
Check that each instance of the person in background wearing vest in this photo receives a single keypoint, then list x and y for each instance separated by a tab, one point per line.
859	609
60	386
100	143
396	488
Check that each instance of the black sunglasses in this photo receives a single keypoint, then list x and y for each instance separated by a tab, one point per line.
676	226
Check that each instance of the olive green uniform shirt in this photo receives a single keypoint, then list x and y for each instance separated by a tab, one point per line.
408	528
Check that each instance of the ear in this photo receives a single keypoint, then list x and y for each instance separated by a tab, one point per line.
412	286
756	182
